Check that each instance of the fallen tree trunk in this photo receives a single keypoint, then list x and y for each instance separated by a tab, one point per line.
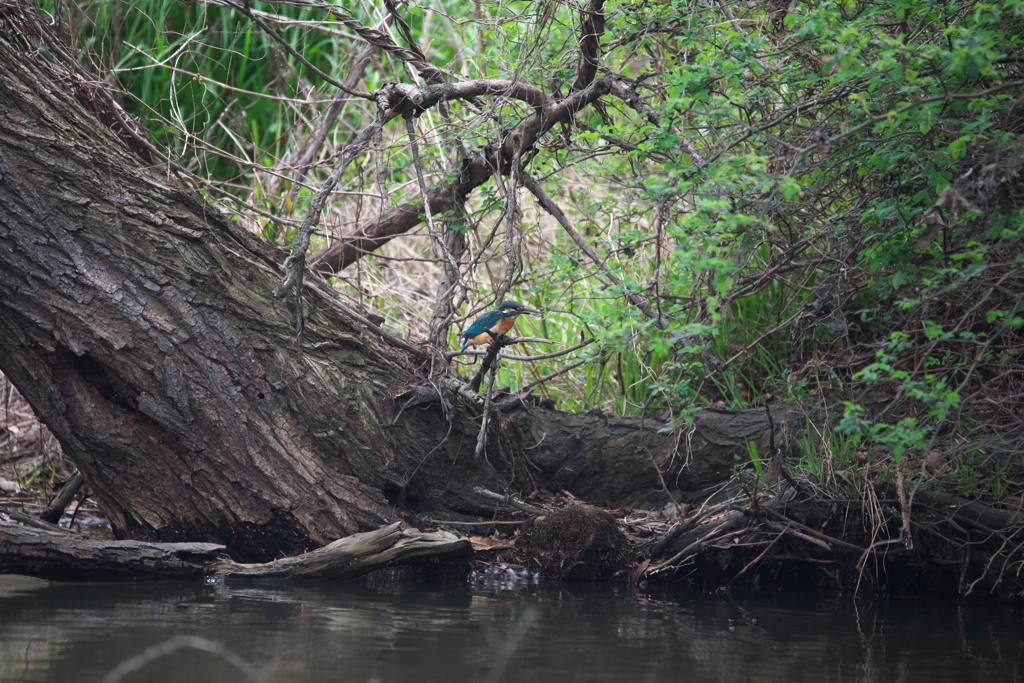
140	326
70	557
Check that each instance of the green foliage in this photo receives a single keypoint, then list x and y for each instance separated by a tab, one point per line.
833	460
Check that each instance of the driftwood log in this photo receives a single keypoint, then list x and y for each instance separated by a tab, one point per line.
358	554
64	556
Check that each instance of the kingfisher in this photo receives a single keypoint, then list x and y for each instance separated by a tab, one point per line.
484	328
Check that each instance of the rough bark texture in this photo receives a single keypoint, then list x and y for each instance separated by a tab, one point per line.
140	326
69	557
609	461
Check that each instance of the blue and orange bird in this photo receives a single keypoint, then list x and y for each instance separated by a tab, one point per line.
484	328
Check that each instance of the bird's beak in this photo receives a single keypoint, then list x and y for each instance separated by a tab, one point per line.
532	313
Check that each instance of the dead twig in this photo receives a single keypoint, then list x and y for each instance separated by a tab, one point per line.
295	264
269	30
755	561
481	439
727	525
556	212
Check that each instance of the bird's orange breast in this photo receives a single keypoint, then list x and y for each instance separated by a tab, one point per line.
504	325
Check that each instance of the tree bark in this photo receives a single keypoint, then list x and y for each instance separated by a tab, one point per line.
139	324
63	556
69	557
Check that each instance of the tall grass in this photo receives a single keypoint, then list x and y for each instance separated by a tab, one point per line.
217	93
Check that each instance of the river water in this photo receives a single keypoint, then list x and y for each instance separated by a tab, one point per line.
344	632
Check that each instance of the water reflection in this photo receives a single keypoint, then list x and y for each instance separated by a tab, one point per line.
285	633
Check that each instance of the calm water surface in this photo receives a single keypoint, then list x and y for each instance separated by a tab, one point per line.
295	633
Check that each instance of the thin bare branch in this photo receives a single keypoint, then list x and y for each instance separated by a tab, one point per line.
624	89
425	97
316	141
552	375
295	265
552	208
529	340
476	170
413	57
270	31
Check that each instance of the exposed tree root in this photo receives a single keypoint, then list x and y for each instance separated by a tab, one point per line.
575	542
778	543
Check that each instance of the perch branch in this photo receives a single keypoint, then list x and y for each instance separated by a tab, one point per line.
522	340
497	344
